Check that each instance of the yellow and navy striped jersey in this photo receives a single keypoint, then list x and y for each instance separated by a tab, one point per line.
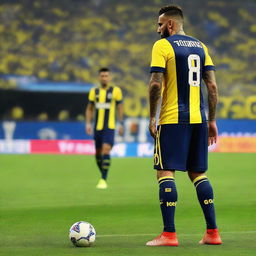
105	101
182	59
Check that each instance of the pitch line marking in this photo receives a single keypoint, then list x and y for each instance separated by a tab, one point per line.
131	235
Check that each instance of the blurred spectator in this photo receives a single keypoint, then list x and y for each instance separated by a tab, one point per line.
58	40
63	115
42	116
17	113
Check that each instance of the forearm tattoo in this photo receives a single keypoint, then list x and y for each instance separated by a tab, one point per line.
155	87
210	82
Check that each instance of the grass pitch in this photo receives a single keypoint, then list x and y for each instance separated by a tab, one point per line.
41	196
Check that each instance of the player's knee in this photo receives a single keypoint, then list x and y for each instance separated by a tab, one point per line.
106	148
194	175
161	174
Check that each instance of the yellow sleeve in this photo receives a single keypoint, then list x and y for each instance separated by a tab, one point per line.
118	96
161	53
92	95
208	64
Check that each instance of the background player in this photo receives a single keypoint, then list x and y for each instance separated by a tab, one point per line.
104	99
179	63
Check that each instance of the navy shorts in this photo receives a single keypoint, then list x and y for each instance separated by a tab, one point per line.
181	147
104	136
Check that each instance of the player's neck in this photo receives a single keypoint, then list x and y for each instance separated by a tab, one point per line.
180	32
104	86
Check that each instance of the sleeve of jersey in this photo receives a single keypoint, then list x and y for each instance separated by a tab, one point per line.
208	64
118	95
159	57
92	95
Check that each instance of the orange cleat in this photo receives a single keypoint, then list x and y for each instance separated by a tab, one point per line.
165	239
211	236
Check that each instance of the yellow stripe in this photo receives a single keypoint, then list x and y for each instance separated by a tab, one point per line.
165	177
164	181
169	112
199	178
101	113
200	182
160	157
194	103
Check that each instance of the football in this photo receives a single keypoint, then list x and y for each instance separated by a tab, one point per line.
82	234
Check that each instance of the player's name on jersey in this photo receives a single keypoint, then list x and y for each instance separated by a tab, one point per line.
102	105
188	43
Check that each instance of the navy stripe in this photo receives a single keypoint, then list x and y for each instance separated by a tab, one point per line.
209	67
157	69
182	80
182	72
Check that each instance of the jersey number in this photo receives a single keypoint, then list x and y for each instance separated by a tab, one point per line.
194	70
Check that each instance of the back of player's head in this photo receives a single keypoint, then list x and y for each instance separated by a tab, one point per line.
172	11
104	70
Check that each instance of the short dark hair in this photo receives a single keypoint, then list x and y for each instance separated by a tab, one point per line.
104	70
171	10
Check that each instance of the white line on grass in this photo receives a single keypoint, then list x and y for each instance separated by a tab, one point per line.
131	235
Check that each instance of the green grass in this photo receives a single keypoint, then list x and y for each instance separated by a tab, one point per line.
41	196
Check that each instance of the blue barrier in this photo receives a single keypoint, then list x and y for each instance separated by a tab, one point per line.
76	130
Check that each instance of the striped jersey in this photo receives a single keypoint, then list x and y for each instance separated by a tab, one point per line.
105	101
182	59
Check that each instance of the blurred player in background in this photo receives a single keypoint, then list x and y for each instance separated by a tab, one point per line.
104	100
179	62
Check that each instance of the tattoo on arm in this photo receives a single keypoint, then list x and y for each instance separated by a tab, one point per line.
155	87
210	81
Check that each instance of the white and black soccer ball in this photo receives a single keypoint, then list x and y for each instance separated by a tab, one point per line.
82	234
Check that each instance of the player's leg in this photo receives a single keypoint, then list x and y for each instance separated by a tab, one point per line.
168	201
98	158
106	159
107	140
197	165
98	155
167	198
167	188
98	148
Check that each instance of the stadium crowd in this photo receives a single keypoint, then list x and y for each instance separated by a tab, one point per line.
69	40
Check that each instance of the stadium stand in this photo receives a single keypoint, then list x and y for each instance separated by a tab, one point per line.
60	41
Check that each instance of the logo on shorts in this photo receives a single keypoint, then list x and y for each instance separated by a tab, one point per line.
156	159
168	190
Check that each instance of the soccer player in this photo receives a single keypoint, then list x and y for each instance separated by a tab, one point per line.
179	63
105	99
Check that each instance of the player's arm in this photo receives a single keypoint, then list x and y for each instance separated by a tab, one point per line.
155	88
160	55
210	82
120	110
89	112
120	118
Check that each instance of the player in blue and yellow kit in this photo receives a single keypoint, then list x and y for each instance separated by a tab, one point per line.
104	100
179	63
